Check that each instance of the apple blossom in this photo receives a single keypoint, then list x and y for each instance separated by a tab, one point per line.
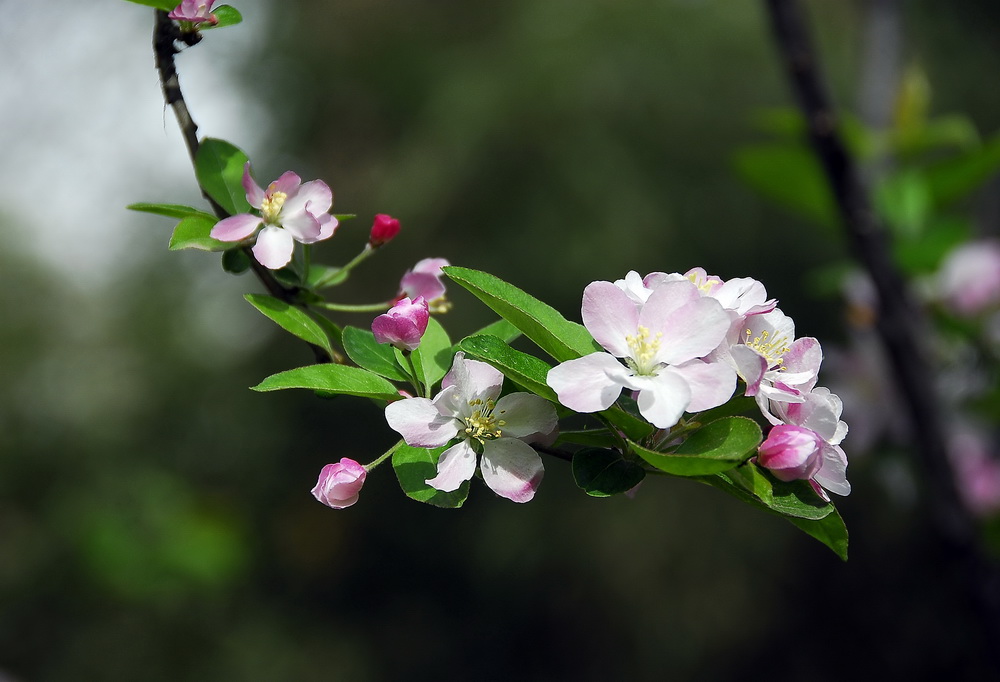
290	210
194	11
426	279
661	342
403	325
791	452
969	279
977	471
468	408
384	230
339	483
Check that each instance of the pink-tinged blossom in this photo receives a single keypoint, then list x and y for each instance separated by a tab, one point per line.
290	211
819	411
791	452
403	325
384	230
194	11
977	472
426	279
339	483
661	341
969	279
468	408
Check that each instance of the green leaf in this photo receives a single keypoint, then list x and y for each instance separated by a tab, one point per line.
830	529
366	352
540	322
291	319
333	332
525	370
334	379
718	446
434	355
790	176
235	261
736	405
957	177
502	329
414	466
219	169
597	438
322	276
226	16
792	498
165	5
192	233
601	472
169	210
924	254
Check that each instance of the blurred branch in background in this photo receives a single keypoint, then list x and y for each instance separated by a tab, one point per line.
900	324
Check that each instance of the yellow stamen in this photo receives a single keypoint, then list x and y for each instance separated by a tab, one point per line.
483	425
771	350
643	351
271	205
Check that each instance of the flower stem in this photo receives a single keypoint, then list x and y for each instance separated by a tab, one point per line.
355	308
385	456
360	258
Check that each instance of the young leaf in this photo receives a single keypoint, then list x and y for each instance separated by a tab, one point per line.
366	352
790	176
524	370
219	169
165	5
192	233
540	322
331	378
322	276
414	466
502	329
235	261
718	446
225	16
291	319
601	472
434	355
169	210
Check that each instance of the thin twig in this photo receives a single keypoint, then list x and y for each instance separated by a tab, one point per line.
900	324
166	35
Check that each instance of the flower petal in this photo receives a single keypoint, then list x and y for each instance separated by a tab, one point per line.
511	469
288	183
689	331
525	415
274	247
712	383
832	475
420	422
456	466
235	228
610	316
303	226
255	195
474	380
588	384
316	194
662	398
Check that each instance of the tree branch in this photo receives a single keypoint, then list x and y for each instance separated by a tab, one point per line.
900	324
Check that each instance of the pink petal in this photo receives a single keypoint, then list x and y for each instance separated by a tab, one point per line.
692	330
588	384
420	422
525	414
255	195
315	192
456	466
609	315
288	183
303	226
511	469
750	365
274	247
424	284
711	383
474	380
832	475
235	228
327	226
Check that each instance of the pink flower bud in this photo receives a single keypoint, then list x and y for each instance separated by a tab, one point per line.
339	484
791	452
384	230
403	325
194	11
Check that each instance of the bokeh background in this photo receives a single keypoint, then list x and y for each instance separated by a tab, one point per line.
155	515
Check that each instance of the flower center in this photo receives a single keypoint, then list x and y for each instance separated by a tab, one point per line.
705	285
270	207
771	350
644	350
483	425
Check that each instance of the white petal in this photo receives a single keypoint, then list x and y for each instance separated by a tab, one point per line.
588	384
474	380
832	475
420	423
712	383
609	315
525	414
663	398
274	247
456	466
511	469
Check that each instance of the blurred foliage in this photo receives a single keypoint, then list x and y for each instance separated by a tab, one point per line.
155	519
